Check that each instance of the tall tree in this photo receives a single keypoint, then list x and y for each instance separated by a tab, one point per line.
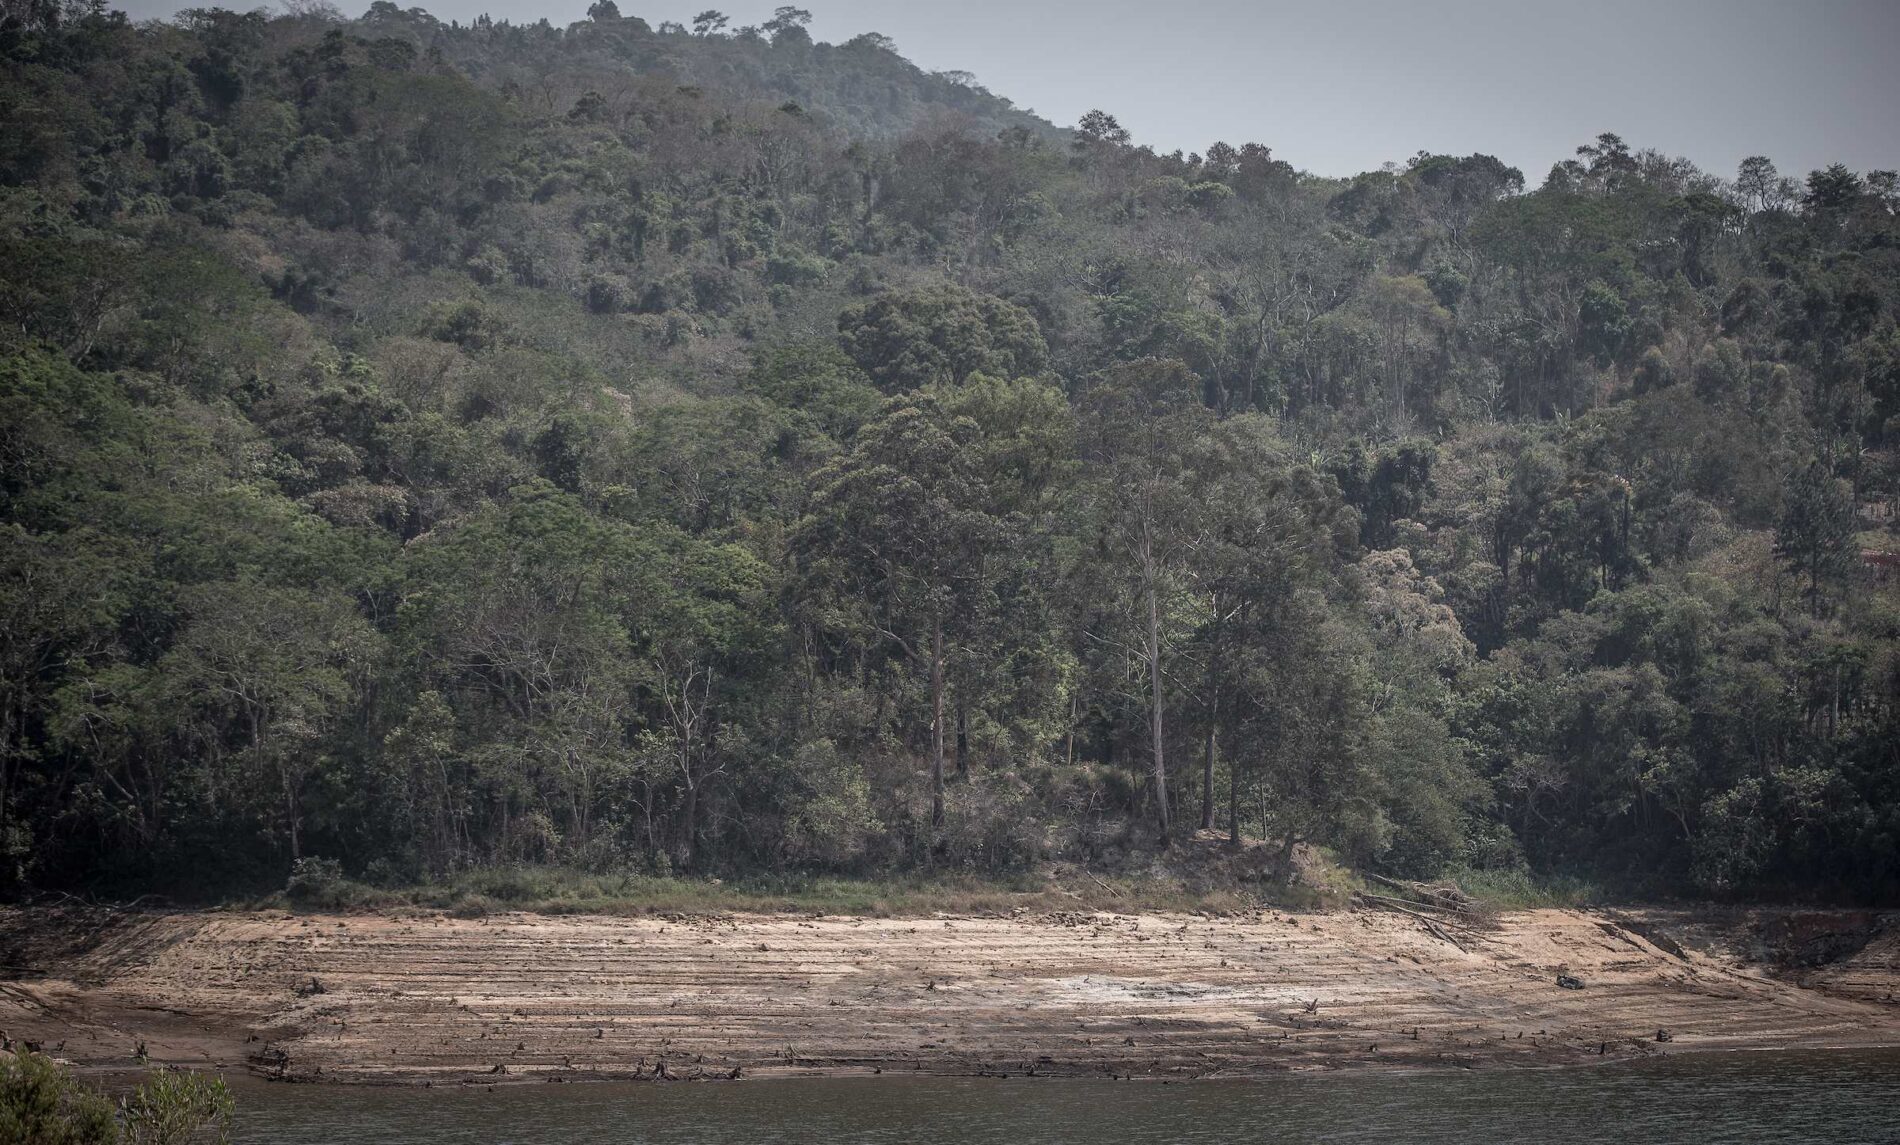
1815	534
895	539
279	666
1139	427
1270	528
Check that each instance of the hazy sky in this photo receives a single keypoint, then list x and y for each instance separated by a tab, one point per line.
1339	86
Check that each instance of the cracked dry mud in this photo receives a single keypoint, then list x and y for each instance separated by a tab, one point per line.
529	997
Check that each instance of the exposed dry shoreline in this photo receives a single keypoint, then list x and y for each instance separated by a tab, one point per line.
367	998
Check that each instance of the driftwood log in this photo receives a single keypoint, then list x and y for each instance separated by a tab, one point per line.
1436	926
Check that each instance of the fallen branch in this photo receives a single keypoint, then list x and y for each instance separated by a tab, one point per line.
1103	885
1406	906
1439	933
1449	899
1413	903
1436	926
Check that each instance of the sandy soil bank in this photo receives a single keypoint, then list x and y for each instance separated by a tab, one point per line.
521	997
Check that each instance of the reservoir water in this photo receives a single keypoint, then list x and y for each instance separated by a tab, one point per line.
1833	1097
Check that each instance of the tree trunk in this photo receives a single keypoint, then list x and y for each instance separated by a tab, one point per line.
963	736
1213	723
292	812
1154	682
936	721
295	814
1207	784
1286	860
690	812
1233	805
1075	709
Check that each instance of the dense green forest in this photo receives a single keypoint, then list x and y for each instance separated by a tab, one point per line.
704	449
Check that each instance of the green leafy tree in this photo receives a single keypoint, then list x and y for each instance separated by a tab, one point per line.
279	666
897	532
1269	530
909	339
1815	533
1140	425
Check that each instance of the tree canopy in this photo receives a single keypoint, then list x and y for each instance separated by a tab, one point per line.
427	445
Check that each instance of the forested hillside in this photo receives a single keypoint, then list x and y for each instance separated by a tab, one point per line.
710	450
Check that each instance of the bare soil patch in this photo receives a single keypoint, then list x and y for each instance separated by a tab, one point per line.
439	1000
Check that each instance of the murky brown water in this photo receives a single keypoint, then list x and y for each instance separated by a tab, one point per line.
1742	1097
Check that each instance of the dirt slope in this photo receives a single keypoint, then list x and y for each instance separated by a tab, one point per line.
369	998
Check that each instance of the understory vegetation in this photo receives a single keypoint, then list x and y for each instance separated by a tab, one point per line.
42	1103
432	451
1191	883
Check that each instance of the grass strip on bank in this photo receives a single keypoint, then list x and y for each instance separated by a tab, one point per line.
559	890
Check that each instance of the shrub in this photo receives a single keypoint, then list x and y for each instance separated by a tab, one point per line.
41	1102
991	824
316	882
44	1104
319	884
474	906
174	1107
830	818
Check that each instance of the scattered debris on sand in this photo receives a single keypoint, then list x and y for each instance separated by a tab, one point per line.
369	998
